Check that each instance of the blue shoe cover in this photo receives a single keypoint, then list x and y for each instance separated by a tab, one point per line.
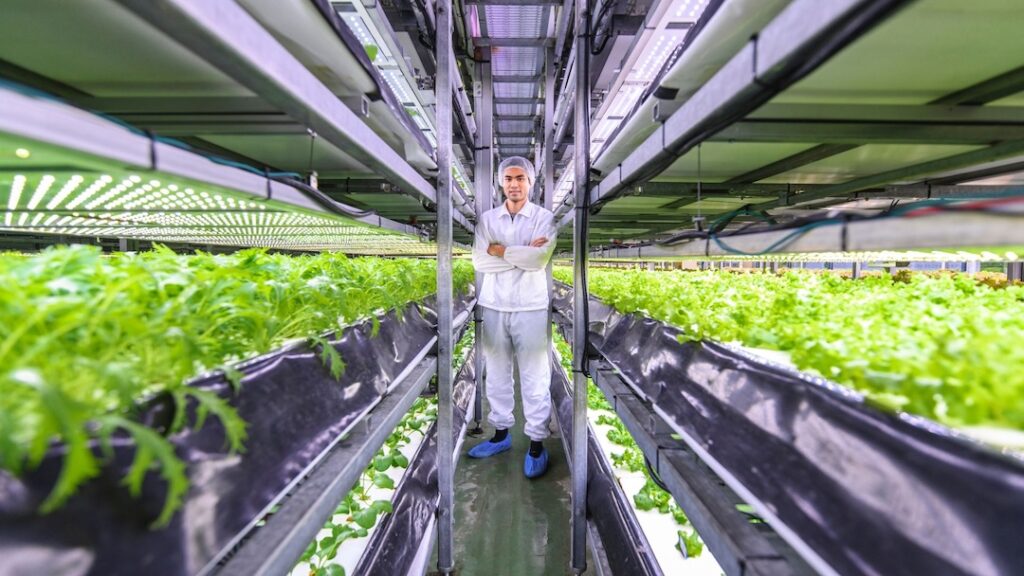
488	448
534	467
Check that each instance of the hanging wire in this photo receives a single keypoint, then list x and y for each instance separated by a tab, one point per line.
312	143
699	220
595	48
699	180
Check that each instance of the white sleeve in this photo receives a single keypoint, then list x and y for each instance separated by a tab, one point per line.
482	261
530	258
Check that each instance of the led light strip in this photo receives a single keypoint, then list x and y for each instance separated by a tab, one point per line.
129	206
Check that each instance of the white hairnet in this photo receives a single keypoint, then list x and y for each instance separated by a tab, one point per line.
517	162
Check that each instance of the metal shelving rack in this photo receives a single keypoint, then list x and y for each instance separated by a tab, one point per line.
642	201
738	104
120	181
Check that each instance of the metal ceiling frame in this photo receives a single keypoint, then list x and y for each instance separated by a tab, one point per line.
248	53
800	38
732	108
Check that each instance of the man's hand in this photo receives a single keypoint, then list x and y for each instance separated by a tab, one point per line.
539	242
496	249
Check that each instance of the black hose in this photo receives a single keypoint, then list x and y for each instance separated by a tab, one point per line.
324	200
654	475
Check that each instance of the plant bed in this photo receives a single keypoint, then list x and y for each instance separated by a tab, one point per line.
941	346
671	539
288	405
391	484
843	481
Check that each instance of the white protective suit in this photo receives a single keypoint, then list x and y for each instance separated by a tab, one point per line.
515	299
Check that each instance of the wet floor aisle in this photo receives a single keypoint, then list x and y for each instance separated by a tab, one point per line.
505	524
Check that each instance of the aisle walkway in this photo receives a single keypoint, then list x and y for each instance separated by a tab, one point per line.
506	525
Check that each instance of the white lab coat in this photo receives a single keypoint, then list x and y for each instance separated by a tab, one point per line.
517	282
515	299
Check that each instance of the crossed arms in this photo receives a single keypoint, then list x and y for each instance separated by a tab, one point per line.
494	257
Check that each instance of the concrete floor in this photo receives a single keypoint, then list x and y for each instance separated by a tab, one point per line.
505	524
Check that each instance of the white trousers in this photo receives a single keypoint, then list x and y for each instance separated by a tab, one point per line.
522	335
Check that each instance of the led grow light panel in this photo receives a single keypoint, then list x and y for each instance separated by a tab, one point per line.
132	205
292	239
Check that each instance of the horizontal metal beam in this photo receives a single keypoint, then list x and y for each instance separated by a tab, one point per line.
990	90
903	114
514	42
512	2
925	191
516	134
979	173
222	128
712	189
867	132
802	37
791	162
518	117
196	106
911	173
518	100
517	79
939	113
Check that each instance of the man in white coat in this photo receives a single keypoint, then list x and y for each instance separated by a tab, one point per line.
513	245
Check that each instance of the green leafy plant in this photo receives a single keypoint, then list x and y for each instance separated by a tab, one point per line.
87	338
943	346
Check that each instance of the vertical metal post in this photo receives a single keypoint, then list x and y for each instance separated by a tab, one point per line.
484	173
445	442
549	128
855	271
549	154
580	300
1014	271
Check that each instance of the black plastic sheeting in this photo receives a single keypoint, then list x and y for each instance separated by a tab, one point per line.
394	544
295	411
870	492
626	547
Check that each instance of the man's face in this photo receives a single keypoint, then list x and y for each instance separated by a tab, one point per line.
515	184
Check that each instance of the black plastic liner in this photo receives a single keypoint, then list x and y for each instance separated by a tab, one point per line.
295	411
869	492
394	544
627	549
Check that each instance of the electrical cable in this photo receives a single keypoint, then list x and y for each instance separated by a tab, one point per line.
654	475
799	228
325	200
605	8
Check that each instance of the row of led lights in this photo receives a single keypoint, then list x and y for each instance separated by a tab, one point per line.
643	73
58	221
131	193
155	232
212	219
411	246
